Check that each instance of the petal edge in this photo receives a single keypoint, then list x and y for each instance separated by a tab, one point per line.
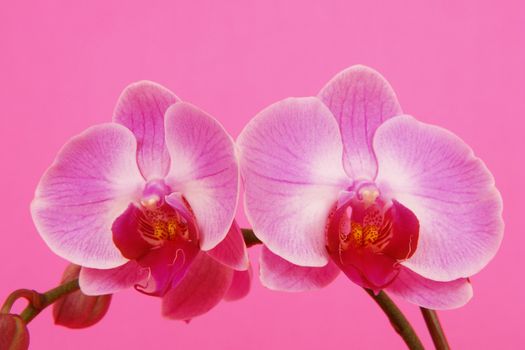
91	182
431	294
281	275
436	175
204	169
360	100
140	108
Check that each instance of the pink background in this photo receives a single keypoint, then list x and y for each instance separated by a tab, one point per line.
458	64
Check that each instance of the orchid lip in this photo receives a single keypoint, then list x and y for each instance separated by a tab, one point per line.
367	236
161	234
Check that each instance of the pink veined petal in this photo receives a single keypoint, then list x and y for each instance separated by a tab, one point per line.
360	99
451	192
232	251
204	169
91	182
291	161
202	288
428	293
141	109
240	286
100	282
279	274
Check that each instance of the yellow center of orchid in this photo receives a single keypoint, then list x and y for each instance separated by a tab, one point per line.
160	222
363	236
367	231
360	235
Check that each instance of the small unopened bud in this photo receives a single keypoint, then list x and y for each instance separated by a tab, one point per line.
13	333
77	310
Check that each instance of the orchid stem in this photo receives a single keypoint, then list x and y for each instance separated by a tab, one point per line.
27	294
48	298
435	329
38	301
397	319
249	237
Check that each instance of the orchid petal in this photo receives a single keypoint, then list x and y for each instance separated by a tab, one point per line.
360	99
290	155
203	169
232	251
279	274
141	109
240	286
430	294
91	182
109	281
436	175
204	286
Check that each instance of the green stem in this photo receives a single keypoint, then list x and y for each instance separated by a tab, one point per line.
394	314
30	295
435	329
42	300
249	237
397	319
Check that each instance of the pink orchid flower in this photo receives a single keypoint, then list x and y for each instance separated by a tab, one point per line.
148	201
344	181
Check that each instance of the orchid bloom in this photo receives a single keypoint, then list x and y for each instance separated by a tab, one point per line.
148	201
345	181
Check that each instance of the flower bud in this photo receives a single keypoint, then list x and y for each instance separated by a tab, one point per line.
77	310
13	333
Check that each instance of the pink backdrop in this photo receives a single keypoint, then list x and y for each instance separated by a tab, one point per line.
458	64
